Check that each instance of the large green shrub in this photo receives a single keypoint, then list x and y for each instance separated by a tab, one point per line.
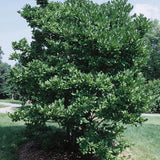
82	71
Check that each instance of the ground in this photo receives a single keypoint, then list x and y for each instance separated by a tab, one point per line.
144	140
33	151
10	107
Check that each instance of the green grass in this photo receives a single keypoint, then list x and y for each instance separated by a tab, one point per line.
3	106
10	138
145	140
10	101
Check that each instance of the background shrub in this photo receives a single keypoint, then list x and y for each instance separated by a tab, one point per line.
154	88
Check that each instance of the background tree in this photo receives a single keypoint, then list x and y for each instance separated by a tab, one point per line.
4	74
82	70
152	69
1	52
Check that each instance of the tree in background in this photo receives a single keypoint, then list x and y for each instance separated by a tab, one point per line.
4	74
152	69
1	52
82	70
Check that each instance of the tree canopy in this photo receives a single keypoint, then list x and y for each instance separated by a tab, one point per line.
82	70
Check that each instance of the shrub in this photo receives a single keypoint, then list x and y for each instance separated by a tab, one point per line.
82	71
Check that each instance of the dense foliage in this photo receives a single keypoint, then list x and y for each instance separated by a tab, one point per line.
154	88
4	74
82	71
151	70
152	38
1	52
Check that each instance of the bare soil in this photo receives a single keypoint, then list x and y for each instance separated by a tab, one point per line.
33	151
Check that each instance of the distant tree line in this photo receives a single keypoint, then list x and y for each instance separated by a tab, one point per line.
151	70
4	77
152	38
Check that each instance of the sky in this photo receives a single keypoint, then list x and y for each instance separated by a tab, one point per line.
13	27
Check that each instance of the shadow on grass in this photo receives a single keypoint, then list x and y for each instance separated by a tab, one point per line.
11	139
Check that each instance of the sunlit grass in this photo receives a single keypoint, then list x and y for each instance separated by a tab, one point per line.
145	140
3	106
10	101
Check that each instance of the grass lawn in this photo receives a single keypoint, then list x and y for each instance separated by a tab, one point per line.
10	138
145	140
3	106
10	101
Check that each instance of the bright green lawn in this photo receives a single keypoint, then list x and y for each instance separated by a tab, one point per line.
3	106
145	140
10	138
10	101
